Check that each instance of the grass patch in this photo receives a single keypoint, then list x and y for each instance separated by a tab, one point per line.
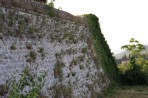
140	91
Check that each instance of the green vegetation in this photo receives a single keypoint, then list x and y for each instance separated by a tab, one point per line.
126	92
29	46
77	60
51	9
58	70
33	80
31	30
81	66
42	52
21	26
68	37
84	50
103	52
136	70
62	90
1	15
3	89
13	47
33	56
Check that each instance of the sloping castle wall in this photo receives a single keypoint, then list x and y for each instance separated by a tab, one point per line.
52	42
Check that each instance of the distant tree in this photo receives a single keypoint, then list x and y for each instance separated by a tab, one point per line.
135	48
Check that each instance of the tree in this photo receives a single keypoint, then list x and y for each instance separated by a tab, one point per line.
135	48
134	75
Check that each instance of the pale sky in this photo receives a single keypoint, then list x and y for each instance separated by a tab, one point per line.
120	20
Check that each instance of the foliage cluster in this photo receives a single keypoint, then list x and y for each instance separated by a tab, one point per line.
3	89
62	90
28	86
136	70
103	52
51	8
33	56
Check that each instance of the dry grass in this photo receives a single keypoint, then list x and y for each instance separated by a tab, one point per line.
128	92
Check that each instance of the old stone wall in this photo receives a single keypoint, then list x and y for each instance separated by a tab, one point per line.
58	46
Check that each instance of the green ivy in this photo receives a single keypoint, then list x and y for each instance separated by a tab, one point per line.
104	55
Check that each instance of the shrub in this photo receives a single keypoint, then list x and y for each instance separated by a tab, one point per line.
40	50
33	55
58	71
62	91
81	66
1	15
31	79
51	9
3	89
133	75
84	50
43	54
13	47
29	46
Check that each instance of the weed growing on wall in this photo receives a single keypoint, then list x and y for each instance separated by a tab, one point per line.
51	9
62	91
28	86
13	47
33	56
58	69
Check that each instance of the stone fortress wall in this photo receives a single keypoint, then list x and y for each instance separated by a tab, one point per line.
58	46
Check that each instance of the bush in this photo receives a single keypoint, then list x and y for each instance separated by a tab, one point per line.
133	75
51	9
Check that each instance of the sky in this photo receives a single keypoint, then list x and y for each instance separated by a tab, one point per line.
120	20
